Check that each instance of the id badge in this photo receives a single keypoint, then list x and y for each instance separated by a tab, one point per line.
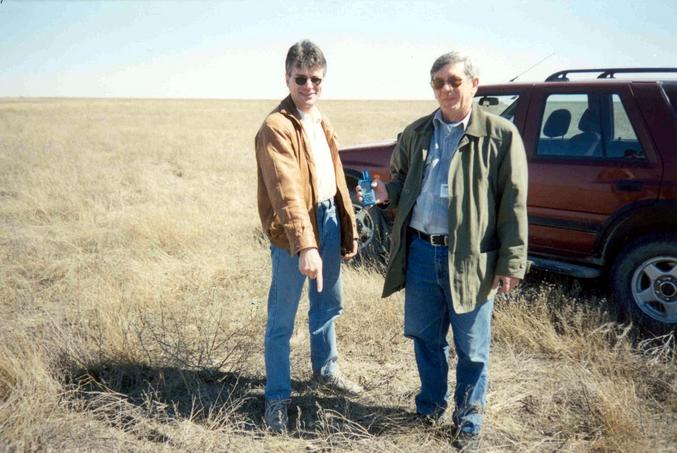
444	190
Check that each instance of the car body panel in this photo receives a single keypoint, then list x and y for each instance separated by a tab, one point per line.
375	158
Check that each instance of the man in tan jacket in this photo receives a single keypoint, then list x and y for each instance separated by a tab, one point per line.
307	214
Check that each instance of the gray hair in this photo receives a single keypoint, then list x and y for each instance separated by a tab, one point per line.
305	54
471	71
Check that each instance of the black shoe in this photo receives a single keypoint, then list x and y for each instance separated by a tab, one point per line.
433	419
275	415
467	442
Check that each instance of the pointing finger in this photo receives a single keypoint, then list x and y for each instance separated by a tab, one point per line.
319	281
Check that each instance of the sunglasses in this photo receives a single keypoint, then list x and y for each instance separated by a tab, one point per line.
453	82
301	80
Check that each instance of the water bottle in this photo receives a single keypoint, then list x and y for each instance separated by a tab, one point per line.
368	197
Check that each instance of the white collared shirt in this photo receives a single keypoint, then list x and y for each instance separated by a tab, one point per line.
324	165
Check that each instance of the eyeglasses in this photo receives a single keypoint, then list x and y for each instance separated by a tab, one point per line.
453	82
302	79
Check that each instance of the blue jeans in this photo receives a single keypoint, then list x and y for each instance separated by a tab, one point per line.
283	301
428	312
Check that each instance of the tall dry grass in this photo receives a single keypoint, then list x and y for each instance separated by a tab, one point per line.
133	284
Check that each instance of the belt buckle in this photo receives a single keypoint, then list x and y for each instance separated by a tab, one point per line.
438	239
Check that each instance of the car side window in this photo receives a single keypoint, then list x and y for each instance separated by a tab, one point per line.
504	105
624	143
587	126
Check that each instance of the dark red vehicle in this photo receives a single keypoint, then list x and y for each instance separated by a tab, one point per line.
602	200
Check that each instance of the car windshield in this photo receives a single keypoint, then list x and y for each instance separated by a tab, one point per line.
504	105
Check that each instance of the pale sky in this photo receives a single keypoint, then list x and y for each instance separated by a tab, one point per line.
374	49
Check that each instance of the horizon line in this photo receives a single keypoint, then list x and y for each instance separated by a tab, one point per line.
172	98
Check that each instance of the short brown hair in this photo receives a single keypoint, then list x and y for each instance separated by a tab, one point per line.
305	54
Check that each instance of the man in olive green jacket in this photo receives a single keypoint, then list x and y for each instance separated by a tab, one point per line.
459	188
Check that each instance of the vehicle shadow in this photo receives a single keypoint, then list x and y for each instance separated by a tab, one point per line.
587	288
590	295
169	394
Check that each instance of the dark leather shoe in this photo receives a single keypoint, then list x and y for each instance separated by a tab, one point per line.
434	419
467	442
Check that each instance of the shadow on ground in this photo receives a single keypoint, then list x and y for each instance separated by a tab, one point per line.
170	394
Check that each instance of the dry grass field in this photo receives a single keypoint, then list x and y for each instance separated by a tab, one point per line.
133	283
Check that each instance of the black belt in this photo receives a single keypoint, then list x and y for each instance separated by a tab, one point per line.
432	239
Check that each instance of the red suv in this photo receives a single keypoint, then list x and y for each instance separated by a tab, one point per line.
602	158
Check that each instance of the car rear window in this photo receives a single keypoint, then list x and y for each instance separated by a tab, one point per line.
590	125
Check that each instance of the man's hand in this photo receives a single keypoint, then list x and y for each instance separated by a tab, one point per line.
310	265
380	192
505	283
353	252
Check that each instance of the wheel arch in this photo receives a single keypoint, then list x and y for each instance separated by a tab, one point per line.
374	249
635	222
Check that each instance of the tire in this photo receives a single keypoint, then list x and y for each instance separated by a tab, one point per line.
644	283
373	230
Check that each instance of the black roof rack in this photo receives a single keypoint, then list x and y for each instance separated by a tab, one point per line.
604	73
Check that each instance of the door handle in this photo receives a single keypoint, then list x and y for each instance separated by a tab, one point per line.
629	186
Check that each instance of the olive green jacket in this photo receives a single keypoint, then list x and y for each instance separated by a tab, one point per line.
487	205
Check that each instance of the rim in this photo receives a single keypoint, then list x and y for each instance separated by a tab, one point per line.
365	226
654	288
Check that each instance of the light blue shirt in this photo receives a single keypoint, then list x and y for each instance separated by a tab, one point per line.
432	204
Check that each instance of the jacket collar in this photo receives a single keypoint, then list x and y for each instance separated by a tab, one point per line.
478	124
425	126
288	108
477	127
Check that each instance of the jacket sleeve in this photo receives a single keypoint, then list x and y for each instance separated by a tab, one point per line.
284	185
399	167
512	228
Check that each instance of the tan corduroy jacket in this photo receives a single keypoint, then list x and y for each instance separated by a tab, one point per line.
287	182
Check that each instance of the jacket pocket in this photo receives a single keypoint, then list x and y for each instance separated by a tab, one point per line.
484	273
477	275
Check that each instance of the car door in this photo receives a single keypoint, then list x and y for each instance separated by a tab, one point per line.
589	157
